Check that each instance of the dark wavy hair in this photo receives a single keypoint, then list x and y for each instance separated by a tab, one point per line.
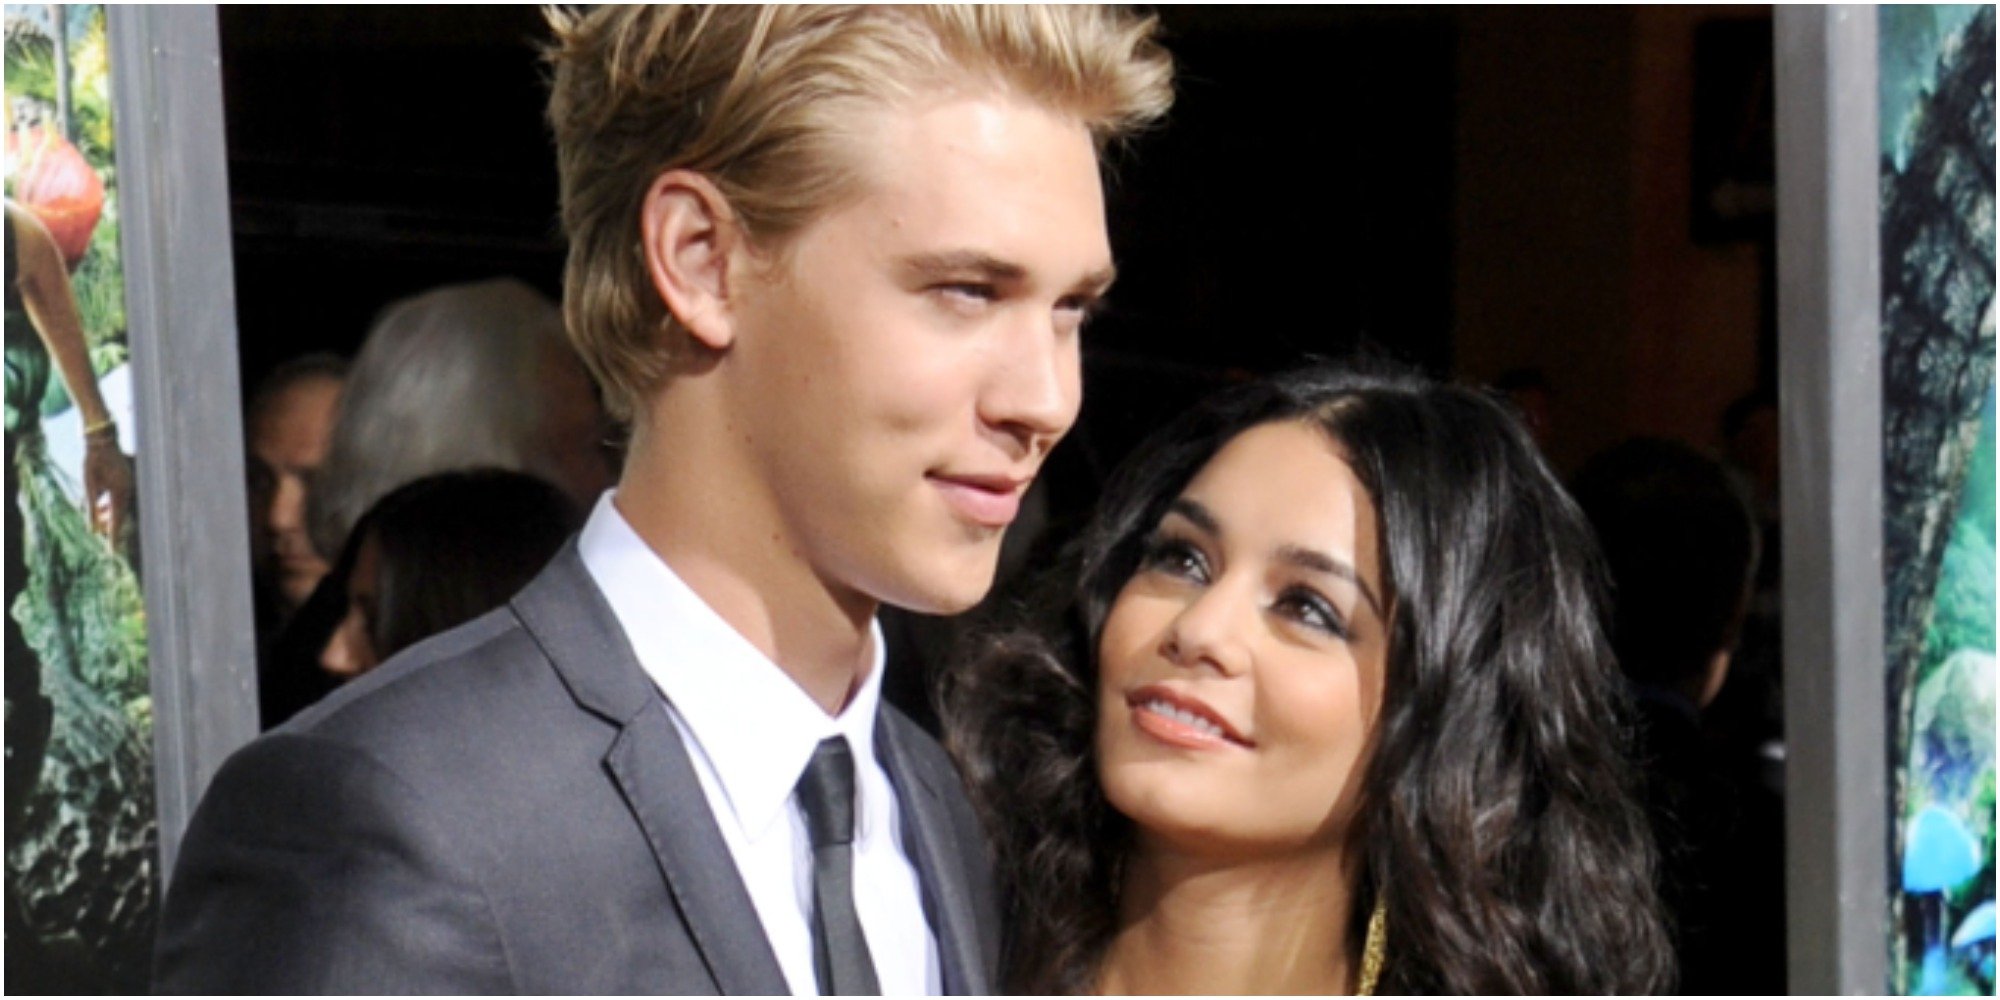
1498	822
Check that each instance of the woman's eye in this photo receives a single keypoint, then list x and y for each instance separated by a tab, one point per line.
1312	610
1175	558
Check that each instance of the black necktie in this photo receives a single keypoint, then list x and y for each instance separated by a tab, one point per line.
826	793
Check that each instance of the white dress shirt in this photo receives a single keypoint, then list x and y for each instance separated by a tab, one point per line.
750	729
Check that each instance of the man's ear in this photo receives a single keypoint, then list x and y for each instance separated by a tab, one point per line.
690	235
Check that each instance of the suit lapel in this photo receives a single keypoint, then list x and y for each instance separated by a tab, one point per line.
567	615
933	843
652	768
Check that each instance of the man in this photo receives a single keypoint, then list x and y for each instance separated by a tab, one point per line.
288	425
290	419
831	262
461	376
1680	546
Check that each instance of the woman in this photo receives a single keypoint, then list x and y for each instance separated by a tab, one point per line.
439	552
1329	709
431	555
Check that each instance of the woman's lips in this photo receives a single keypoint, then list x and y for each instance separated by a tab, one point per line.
1181	720
987	501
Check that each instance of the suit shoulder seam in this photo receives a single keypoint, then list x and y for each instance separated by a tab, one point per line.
419	817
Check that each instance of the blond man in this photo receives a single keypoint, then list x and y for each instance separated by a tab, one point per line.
831	263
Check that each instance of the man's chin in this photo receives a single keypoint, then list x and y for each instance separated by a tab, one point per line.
956	605
296	588
948	593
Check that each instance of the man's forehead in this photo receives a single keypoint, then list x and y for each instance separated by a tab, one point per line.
983	180
312	388
996	131
303	407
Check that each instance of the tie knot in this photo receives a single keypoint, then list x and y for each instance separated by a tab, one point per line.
826	793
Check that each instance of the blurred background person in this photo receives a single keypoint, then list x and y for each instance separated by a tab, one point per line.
1750	433
1751	708
1528	391
1680	543
466	376
476	375
440	552
433	554
289	420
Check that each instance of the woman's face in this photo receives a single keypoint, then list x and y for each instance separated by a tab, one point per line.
350	652
1241	666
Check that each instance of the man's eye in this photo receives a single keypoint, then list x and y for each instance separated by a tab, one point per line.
1074	312
968	292
1083	306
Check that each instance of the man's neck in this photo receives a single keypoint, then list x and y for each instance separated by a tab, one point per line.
720	533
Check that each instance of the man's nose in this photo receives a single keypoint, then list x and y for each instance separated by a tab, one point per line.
287	511
1037	387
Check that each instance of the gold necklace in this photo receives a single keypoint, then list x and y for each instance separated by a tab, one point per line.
1374	949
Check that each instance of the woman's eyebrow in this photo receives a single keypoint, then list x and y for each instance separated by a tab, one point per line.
1198	515
1319	562
1304	558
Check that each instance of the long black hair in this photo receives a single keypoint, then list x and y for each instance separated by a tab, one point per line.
455	545
1498	822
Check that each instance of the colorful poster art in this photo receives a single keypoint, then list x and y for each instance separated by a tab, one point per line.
82	841
1936	64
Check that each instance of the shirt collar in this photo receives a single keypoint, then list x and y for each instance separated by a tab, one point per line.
755	725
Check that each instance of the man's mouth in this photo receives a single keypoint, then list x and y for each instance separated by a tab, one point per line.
293	557
989	501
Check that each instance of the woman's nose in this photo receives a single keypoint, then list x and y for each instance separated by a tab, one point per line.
1209	632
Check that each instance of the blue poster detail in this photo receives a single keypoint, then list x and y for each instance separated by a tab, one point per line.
1947	864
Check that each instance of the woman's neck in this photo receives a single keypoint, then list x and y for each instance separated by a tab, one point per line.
1271	925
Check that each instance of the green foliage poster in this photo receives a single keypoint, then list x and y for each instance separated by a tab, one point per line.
82	843
1936	93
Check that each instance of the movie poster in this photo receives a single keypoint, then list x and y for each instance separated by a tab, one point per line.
1936	64
82	879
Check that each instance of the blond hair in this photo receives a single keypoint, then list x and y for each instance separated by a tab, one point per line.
753	99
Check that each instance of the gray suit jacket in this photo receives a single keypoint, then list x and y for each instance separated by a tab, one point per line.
507	808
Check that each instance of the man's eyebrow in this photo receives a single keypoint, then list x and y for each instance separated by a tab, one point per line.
1099	281
961	263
